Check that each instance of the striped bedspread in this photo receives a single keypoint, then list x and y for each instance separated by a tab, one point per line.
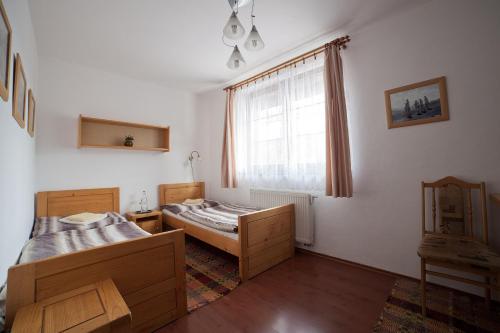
51	237
217	215
45	225
71	240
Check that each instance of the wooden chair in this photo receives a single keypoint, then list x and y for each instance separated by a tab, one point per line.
463	249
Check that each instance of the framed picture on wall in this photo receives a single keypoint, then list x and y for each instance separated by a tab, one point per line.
20	89
418	103
31	113
5	54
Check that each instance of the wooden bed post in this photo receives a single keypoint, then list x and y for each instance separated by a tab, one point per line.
243	241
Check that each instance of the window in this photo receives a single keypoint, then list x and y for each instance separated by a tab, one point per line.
280	130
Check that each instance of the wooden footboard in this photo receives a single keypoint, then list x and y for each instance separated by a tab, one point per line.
149	272
266	238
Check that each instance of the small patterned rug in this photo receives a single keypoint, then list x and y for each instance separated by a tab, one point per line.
210	273
447	311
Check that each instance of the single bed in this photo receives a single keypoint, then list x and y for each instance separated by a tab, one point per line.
148	270
263	239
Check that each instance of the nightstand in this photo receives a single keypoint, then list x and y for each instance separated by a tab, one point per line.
150	222
98	307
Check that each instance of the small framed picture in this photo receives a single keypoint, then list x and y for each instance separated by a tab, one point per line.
31	113
5	54
419	103
20	89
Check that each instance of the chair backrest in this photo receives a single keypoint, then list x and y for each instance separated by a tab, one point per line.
455	209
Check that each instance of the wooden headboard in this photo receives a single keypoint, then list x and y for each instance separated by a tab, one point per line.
63	203
176	193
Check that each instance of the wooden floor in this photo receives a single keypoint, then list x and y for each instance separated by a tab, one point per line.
304	294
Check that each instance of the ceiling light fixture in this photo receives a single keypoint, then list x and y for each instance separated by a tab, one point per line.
238	3
236	60
234	30
254	41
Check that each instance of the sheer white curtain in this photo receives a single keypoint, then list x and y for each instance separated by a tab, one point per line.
280	129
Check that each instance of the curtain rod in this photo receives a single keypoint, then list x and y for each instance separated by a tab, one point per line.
339	42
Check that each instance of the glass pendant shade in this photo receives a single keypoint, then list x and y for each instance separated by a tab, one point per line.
236	61
235	4
234	29
254	41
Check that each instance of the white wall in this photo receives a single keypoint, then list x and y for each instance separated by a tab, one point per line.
68	90
17	148
380	226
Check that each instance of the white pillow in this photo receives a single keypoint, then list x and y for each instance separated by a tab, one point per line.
83	218
193	201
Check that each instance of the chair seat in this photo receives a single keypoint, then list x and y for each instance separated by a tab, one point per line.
458	251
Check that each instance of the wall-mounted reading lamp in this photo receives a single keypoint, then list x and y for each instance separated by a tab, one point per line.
194	155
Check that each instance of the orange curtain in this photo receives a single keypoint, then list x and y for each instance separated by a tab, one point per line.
338	157
228	165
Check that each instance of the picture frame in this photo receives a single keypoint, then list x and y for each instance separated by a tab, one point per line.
5	53
418	103
31	113
20	89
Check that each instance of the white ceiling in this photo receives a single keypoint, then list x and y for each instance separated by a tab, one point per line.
178	42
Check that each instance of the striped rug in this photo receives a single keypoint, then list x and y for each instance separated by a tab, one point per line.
447	311
210	273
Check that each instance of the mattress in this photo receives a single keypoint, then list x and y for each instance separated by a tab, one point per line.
219	217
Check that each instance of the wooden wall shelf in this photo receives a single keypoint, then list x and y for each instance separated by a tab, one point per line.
104	133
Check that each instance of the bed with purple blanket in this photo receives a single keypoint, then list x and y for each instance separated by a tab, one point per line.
260	238
60	257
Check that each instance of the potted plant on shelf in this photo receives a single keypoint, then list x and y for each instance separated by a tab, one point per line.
129	141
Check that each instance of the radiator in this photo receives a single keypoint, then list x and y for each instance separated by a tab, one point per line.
304	214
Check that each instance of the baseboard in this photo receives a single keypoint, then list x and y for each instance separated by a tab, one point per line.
355	264
380	271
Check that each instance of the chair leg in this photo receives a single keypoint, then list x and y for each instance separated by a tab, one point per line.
487	293
422	287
